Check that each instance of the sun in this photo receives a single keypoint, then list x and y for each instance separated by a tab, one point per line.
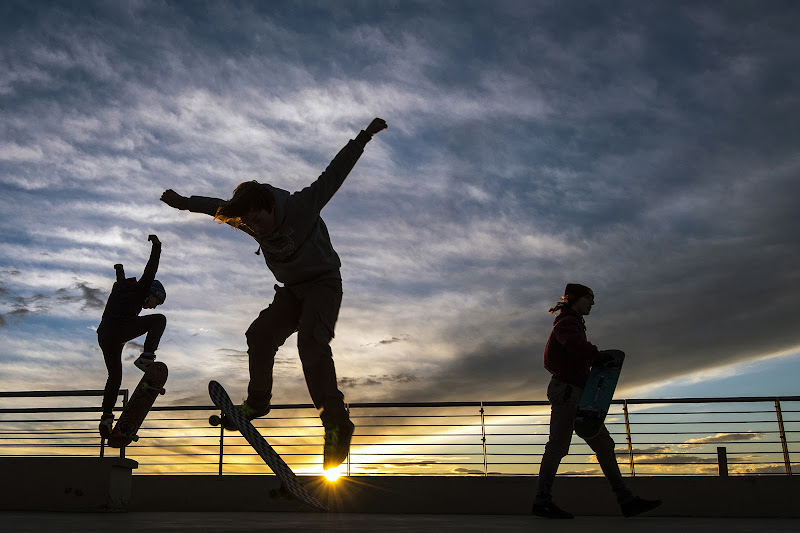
332	474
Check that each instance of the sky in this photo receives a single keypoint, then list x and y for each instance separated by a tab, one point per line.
647	150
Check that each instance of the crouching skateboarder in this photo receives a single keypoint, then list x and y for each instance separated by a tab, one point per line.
121	323
298	250
568	356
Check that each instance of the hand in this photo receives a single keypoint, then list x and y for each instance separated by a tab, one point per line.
173	199
377	124
154	239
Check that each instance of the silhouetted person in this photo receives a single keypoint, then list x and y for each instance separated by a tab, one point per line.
298	250
121	323
568	356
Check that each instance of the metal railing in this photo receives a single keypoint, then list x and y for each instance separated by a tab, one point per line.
683	436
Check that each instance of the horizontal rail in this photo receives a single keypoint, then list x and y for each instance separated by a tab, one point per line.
663	436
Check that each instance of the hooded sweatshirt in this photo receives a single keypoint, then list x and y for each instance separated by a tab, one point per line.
568	355
299	250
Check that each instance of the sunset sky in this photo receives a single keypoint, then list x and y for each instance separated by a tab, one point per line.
646	149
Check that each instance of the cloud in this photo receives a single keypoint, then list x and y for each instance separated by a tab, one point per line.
723	438
528	146
373	380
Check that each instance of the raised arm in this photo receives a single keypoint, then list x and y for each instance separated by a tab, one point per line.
316	195
149	273
120	272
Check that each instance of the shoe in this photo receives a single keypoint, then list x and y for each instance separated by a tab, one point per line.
637	505
144	361
106	425
337	443
549	510
249	413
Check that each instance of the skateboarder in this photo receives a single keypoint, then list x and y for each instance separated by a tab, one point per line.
568	356
121	323
298	250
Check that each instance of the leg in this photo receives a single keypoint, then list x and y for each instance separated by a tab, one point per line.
563	399
603	446
112	354
321	303
265	335
155	324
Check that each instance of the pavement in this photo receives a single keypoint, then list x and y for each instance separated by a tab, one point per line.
173	522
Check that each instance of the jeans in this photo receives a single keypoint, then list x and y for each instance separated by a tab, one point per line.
112	336
311	309
564	400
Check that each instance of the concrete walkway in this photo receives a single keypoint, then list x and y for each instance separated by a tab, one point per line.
176	522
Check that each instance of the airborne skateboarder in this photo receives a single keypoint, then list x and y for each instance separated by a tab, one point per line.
568	356
121	323
298	250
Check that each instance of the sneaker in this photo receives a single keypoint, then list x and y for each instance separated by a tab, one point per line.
249	413
337	443
144	361
106	425
637	505
549	510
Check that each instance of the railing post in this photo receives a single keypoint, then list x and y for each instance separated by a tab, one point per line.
722	460
628	436
347	407
483	441
124	404
787	463
221	445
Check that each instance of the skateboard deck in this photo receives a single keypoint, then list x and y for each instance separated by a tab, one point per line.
139	404
289	482
597	394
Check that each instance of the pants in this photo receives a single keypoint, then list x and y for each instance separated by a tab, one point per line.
564	400
112	336
310	309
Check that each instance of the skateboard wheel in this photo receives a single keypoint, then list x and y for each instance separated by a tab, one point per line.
214	420
135	438
162	391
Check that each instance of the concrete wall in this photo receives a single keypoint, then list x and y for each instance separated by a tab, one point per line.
734	496
65	483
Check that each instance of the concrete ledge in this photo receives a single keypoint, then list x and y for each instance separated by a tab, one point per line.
65	483
734	496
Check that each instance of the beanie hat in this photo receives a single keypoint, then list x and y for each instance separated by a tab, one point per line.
157	289
574	291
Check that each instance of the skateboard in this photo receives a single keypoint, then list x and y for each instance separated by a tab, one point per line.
597	395
290	485
142	399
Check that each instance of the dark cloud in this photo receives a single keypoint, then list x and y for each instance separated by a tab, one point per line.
373	380
22	307
391	340
723	438
90	297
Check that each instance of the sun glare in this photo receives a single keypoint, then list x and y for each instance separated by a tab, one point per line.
332	474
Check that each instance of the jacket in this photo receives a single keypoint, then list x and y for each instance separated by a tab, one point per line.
568	356
299	249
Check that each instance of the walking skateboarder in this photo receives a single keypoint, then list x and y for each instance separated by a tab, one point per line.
121	323
568	356
298	250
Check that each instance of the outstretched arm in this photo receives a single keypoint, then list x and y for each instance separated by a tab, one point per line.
322	190
195	204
